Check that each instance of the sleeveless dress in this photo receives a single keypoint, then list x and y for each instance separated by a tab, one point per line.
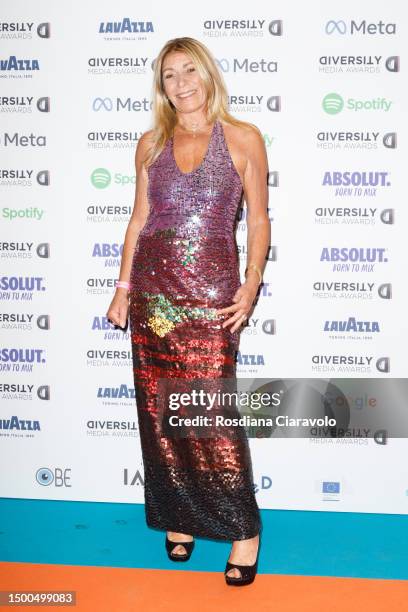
185	265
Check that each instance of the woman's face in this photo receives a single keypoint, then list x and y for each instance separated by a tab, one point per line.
182	83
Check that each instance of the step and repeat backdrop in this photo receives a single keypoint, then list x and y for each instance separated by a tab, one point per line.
326	85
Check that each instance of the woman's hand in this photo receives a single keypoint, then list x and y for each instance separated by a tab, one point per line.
243	300
118	309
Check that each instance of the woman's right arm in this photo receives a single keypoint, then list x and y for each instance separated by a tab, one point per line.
118	309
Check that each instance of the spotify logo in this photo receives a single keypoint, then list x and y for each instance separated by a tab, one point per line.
332	103
100	178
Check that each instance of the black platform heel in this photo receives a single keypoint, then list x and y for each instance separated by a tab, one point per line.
170	546
248	572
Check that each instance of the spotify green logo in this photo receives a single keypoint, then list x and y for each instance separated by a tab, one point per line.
100	178
332	103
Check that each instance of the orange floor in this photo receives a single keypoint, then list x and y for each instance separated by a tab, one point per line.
100	589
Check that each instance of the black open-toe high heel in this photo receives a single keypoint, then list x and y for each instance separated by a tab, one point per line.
248	572
170	546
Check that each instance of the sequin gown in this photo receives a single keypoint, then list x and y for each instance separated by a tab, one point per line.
185	265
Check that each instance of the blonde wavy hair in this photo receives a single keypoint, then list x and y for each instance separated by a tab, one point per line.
164	114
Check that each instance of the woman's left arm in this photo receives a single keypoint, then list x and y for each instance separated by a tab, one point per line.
258	226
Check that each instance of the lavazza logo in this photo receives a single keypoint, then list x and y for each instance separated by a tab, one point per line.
362	28
126	29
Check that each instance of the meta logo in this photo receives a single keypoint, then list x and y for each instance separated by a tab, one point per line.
247	66
59	477
24	30
126	26
363	28
118	104
21	140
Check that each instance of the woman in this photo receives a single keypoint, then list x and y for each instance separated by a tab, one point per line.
179	281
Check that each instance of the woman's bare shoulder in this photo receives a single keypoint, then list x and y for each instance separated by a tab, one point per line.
144	144
147	139
239	134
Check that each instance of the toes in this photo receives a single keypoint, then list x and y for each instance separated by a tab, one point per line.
179	550
234	573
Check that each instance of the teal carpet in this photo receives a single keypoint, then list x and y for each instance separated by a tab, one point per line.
116	535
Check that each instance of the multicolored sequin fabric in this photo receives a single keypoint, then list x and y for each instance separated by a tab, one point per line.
185	266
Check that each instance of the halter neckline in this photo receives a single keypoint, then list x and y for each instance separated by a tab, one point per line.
204	158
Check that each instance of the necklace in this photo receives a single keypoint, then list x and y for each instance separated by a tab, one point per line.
194	129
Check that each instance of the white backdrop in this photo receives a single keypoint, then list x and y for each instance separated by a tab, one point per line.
327	88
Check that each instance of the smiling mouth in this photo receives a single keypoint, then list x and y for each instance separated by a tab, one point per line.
186	95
